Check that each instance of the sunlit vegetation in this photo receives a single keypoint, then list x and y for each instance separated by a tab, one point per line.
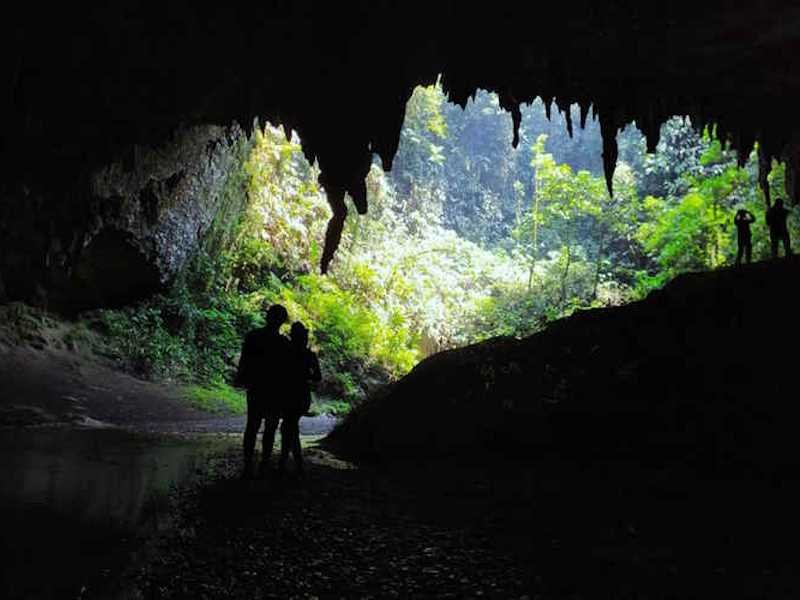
466	239
216	398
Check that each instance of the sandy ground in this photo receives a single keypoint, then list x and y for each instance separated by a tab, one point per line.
45	384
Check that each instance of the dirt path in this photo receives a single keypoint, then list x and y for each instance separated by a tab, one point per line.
48	384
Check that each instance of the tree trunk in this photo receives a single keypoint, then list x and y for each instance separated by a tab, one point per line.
535	250
530	275
565	275
597	264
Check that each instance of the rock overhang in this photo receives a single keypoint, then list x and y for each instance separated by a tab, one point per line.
90	86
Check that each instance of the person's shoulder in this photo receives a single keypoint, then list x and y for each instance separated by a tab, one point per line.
255	334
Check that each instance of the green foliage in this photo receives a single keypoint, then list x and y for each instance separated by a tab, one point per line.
217	398
695	231
569	236
20	323
186	335
681	237
326	406
343	326
466	239
515	313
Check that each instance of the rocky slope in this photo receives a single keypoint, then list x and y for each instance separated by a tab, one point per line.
700	367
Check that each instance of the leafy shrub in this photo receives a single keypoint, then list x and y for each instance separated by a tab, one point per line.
217	398
499	245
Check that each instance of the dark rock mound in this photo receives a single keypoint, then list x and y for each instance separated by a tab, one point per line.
702	368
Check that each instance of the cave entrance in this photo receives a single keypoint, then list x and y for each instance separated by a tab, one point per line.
468	238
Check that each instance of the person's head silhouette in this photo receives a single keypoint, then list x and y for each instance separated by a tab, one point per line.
277	315
299	334
778	203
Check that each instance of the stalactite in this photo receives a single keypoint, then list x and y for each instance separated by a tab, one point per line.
388	140
653	136
309	151
719	131
344	86
568	118
333	233
608	129
585	104
764	168
516	118
792	162
698	120
792	185
744	147
564	107
387	159
649	123
509	103
358	192
648	117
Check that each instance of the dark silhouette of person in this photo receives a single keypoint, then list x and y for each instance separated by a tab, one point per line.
742	220
305	369
778	231
262	370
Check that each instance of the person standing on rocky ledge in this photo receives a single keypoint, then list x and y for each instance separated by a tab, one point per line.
778	231
743	220
263	366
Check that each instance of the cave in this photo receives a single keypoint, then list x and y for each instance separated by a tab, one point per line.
536	466
97	275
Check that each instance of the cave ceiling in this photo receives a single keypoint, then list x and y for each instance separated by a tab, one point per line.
86	84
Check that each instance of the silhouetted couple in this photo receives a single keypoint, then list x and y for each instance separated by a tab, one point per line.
778	231
277	374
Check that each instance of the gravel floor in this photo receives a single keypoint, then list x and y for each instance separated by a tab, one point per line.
549	528
330	535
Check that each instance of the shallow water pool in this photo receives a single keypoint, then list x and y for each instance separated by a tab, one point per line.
76	504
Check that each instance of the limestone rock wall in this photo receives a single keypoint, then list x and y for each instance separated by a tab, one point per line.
127	229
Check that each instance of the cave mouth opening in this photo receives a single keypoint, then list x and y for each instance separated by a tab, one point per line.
469	238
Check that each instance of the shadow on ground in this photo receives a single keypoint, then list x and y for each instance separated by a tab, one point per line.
547	528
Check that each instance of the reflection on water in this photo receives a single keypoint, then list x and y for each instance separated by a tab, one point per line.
74	503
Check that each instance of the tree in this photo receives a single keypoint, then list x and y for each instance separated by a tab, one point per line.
572	217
